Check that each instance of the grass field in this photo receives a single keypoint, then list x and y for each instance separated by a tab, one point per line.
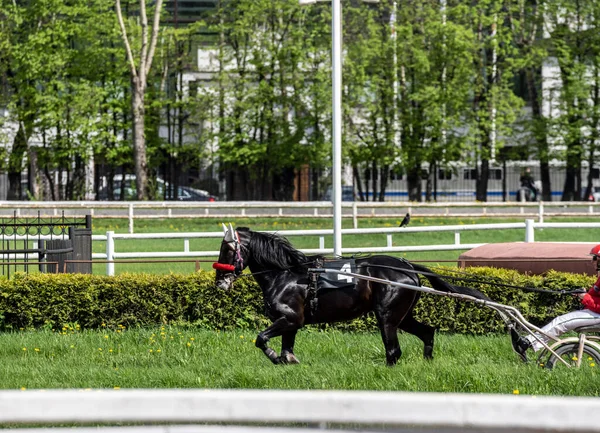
169	357
434	238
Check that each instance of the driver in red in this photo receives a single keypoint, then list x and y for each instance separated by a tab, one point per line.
589	316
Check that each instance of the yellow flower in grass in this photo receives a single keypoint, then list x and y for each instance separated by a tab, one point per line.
592	364
24	349
574	358
189	344
515	391
241	336
36	349
117	387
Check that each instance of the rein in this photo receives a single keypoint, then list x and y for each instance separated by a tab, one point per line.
481	280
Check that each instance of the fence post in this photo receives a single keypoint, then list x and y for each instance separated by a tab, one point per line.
541	212
529	234
130	218
110	254
354	215
456	238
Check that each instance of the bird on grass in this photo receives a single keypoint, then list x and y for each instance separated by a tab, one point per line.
405	221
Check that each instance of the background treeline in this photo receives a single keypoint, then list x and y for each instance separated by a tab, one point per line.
448	80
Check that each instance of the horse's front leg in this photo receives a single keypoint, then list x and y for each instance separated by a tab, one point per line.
279	327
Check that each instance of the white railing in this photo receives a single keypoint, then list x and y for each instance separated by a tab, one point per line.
320	209
394	411
529	227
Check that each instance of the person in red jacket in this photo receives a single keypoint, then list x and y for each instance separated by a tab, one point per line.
589	316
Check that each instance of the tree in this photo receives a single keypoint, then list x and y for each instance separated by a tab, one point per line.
572	26
139	82
261	77
526	21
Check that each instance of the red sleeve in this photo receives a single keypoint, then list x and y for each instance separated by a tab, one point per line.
591	300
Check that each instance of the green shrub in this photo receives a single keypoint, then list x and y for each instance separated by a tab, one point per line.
93	301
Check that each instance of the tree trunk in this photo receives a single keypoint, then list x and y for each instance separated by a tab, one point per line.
413	180
540	133
15	163
139	142
482	179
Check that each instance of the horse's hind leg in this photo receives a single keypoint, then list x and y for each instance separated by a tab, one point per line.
424	332
287	348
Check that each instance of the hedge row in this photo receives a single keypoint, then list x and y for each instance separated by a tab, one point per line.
90	301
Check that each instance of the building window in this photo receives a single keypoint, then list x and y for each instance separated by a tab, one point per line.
470	174
496	174
444	174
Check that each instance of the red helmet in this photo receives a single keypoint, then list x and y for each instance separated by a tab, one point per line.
595	251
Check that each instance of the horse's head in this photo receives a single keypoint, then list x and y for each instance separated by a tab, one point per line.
231	262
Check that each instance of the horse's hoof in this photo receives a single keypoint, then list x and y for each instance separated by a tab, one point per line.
290	358
428	353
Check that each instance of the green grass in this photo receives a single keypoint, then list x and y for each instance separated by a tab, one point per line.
171	357
101	226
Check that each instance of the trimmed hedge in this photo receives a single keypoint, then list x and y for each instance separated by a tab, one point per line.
91	301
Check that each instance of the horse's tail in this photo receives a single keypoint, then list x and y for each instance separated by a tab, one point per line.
440	284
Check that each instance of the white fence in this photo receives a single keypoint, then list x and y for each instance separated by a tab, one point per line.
394	411
112	253
354	210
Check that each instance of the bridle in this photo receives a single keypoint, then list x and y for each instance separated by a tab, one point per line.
232	239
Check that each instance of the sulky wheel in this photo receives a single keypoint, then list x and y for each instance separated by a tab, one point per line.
568	352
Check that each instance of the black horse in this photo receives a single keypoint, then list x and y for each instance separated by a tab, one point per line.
282	273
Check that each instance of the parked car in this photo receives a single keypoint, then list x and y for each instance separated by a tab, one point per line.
347	193
184	193
595	196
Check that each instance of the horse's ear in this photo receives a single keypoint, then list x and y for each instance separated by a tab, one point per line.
224	229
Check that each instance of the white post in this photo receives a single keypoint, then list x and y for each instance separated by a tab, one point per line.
354	215
336	73
110	254
541	212
529	233
456	238
130	218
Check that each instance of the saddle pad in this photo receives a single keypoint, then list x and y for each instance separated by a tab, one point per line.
331	280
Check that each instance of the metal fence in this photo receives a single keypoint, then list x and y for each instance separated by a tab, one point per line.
320	209
43	242
114	252
295	411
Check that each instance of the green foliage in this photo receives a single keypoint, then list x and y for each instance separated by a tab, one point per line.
51	300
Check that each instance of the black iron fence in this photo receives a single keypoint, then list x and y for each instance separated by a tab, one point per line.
44	244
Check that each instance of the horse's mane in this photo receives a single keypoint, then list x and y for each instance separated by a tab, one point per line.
272	251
